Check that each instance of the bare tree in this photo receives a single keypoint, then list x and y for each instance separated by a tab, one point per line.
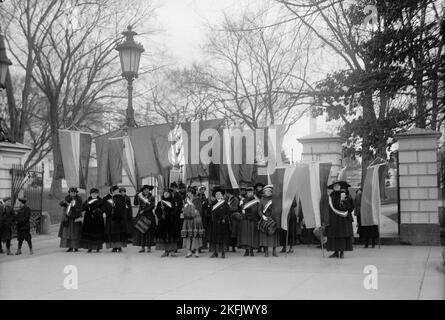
258	72
66	50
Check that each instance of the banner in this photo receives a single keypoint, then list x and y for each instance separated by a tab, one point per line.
129	162
75	147
370	206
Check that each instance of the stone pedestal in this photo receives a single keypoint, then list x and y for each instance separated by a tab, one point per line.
323	147
418	186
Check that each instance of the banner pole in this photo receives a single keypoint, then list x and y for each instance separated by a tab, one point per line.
321	241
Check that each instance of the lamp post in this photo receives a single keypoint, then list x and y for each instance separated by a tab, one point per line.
130	55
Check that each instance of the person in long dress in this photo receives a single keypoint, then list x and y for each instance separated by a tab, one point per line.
192	228
167	231
233	203
93	229
219	228
205	216
291	237
70	231
6	223
129	209
339	231
265	212
248	233
116	235
23	227
146	202
366	233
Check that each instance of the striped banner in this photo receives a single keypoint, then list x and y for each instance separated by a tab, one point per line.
75	147
370	206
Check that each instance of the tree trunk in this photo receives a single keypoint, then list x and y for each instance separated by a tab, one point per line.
58	174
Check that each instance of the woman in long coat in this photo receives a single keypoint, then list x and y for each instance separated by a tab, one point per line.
291	237
167	231
6	223
93	222
339	231
116	236
248	233
265	212
70	231
219	224
365	233
233	203
192	229
146	203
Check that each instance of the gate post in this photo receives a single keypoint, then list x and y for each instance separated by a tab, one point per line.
419	223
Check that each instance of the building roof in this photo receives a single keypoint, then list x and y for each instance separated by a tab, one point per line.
322	135
14	147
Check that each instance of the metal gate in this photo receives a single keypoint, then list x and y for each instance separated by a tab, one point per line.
28	182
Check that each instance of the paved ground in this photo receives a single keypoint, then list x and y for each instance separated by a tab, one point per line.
404	272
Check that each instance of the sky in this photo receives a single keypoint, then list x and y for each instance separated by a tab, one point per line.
183	24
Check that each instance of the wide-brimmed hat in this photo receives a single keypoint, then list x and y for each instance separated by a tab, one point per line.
268	187
217	189
94	190
73	189
114	188
22	200
122	189
147	186
6	199
343	184
250	189
259	184
192	189
173	185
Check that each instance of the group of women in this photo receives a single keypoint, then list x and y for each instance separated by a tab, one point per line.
241	218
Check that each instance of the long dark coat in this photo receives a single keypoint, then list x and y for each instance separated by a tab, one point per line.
23	226
129	210
205	205
248	233
70	231
146	210
6	222
168	230
93	229
219	224
339	231
116	220
233	203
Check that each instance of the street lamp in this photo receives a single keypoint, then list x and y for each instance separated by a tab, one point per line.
130	55
4	61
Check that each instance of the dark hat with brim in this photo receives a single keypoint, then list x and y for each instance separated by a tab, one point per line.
217	189
250	189
192	189
73	189
122	189
114	188
22	200
6	199
146	186
94	190
343	184
173	185
182	185
259	184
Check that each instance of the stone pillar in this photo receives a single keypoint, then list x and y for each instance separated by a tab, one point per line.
323	147
418	186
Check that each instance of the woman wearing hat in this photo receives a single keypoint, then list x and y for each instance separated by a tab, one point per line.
192	229
143	234
219	224
129	209
339	231
233	203
6	223
116	236
167	231
93	222
248	231
23	226
265	212
70	232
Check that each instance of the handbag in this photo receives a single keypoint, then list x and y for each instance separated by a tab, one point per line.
268	226
143	224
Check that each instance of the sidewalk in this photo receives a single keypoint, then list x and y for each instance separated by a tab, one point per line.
404	272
